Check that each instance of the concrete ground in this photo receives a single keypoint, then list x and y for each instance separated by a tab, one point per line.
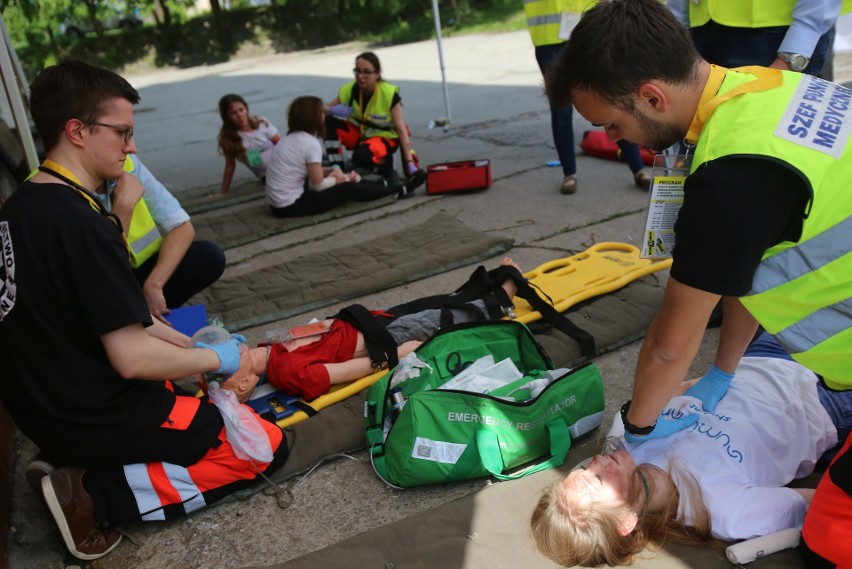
498	113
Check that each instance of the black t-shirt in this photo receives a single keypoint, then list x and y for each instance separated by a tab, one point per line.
66	281
734	209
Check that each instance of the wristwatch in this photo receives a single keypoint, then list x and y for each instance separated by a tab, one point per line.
630	427
796	61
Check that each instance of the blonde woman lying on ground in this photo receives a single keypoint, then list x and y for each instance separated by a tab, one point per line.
722	477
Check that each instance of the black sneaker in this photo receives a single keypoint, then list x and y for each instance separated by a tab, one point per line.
392	179
404	192
416	179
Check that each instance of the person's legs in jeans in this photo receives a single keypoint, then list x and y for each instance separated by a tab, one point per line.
631	154
561	120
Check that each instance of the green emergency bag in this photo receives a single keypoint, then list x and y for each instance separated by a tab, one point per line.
419	434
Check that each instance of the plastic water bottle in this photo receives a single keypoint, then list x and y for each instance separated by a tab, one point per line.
398	400
752	549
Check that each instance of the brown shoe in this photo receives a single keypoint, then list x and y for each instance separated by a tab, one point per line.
569	184
74	513
642	179
34	472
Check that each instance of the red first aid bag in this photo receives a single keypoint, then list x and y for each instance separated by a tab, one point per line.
596	143
463	176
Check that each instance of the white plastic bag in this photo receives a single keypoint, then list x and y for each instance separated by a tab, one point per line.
484	375
242	429
409	366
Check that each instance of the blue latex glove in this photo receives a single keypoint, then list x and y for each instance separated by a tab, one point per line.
341	110
711	388
228	352
665	427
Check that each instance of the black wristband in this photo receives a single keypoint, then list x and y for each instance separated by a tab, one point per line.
630	427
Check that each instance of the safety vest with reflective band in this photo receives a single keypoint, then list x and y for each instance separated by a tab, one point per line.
142	235
800	291
747	14
545	16
375	120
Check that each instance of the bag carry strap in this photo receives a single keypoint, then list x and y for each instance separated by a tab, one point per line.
547	311
489	450
480	283
488	286
380	344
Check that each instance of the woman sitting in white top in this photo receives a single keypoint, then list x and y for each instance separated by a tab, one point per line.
722	477
297	183
244	137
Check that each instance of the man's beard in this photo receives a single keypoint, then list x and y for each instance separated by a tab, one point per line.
658	135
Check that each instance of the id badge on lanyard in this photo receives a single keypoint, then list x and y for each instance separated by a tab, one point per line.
664	203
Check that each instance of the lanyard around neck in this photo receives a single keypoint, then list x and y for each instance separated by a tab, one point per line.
59	171
766	79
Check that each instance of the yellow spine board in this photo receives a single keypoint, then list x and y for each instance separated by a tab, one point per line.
600	269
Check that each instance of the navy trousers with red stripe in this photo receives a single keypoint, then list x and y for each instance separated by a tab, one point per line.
171	479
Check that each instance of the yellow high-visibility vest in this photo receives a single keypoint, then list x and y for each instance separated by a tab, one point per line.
801	290
375	119
143	236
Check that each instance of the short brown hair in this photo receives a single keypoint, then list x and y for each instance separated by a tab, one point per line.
73	89
617	46
305	115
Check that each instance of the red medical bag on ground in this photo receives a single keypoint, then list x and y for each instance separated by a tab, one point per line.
458	176
596	143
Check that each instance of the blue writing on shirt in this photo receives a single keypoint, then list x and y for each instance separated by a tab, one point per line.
707	430
818	116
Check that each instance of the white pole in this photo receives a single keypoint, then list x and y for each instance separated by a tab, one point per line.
9	72
449	117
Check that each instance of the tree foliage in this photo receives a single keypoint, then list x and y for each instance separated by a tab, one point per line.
176	34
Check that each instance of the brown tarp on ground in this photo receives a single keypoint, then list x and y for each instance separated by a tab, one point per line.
254	221
198	200
439	244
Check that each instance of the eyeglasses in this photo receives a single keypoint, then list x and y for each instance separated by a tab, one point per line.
358	71
126	131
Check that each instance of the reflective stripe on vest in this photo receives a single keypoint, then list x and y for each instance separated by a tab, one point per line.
543	20
142	235
800	291
156	485
742	13
375	120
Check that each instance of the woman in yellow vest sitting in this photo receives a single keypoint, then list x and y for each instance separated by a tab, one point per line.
367	118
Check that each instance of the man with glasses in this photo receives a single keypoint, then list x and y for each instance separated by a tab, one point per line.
84	367
367	118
